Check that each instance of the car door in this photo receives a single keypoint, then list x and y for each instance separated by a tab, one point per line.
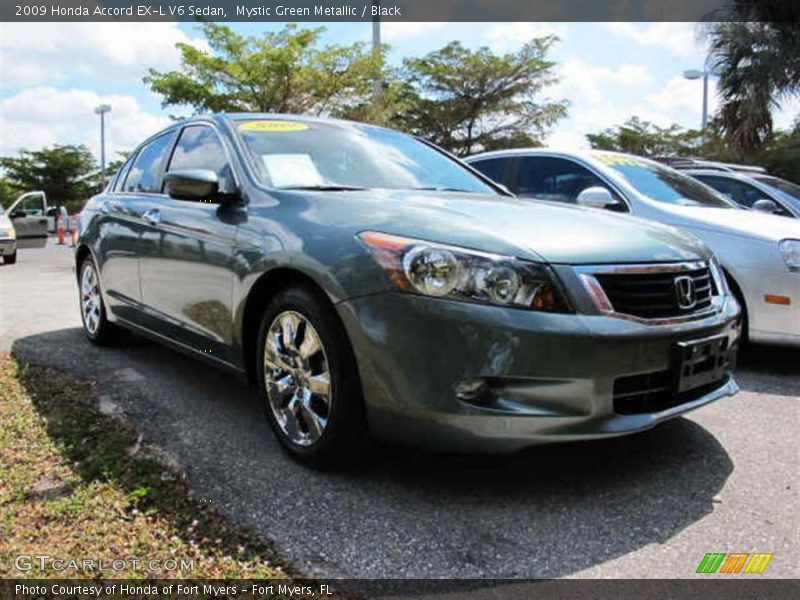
121	227
186	269
29	216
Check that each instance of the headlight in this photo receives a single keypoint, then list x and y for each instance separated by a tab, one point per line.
8	233
443	271
790	249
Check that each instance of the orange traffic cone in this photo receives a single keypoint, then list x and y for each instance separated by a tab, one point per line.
60	230
73	227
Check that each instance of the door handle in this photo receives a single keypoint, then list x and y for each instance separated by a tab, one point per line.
152	216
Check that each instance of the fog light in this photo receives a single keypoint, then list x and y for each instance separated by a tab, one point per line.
471	390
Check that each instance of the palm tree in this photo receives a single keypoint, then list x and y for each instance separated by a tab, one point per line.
755	50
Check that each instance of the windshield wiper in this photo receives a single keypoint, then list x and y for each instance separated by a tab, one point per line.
439	189
325	188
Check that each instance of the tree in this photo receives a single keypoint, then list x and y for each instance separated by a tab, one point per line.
283	71
646	139
67	174
467	101
755	50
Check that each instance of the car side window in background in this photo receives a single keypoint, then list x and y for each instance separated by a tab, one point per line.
145	172
740	192
495	169
123	173
199	147
554	179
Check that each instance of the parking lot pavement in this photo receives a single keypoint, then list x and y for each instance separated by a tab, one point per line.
723	480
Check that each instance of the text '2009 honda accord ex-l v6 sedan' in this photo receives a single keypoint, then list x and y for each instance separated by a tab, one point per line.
372	285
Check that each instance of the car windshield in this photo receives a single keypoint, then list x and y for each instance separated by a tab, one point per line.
787	188
663	184
342	156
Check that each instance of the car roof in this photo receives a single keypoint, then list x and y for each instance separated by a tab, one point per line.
531	152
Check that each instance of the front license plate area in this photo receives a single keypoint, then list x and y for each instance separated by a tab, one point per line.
700	362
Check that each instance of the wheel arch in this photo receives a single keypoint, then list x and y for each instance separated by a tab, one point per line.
258	296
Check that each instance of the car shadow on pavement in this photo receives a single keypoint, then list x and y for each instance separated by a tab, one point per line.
546	512
767	369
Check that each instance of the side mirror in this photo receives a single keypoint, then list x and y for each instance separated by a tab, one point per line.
596	197
17	214
197	185
766	206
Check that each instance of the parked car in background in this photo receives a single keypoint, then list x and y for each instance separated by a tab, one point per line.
8	239
757	191
759	252
53	214
372	284
28	213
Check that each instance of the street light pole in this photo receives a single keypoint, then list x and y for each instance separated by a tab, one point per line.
102	110
695	74
377	88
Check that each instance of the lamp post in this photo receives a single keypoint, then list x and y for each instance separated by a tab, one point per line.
694	74
102	110
377	88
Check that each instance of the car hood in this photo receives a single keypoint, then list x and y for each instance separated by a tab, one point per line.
531	229
744	223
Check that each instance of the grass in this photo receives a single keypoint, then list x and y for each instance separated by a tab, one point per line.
76	484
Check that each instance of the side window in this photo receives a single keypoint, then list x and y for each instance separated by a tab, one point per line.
145	172
199	147
742	193
554	179
123	173
32	206
495	169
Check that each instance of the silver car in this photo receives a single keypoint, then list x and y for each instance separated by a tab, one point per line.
759	252
8	239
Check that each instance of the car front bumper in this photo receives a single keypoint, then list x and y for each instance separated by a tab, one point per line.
8	246
771	321
550	377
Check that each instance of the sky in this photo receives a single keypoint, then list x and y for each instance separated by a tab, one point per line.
52	75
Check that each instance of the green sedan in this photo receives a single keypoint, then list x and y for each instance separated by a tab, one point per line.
373	286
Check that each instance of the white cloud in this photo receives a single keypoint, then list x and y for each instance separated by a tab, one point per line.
35	53
678	38
504	37
391	30
584	83
43	116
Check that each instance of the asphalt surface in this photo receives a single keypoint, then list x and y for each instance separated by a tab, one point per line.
725	479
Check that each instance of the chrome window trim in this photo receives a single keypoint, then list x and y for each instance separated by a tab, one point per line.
586	274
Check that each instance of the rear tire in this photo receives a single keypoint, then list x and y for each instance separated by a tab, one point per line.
96	325
308	380
10	259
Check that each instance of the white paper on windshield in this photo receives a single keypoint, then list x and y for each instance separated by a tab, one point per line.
289	170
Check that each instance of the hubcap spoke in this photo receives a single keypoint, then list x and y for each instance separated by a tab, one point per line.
297	378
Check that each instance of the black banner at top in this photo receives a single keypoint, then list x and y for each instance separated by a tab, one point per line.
396	10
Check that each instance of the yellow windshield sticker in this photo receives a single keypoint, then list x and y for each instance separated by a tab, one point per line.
273	126
619	159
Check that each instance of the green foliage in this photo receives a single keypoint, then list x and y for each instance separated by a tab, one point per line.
756	53
467	101
67	174
283	71
646	139
8	191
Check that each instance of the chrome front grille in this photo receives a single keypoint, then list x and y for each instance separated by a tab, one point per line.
653	292
656	295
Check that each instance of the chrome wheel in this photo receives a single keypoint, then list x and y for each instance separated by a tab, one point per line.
297	378
91	304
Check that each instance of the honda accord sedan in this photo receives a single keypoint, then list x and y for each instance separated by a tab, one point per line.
371	285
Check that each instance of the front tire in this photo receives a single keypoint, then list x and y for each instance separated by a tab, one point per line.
308	380
10	259
96	325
